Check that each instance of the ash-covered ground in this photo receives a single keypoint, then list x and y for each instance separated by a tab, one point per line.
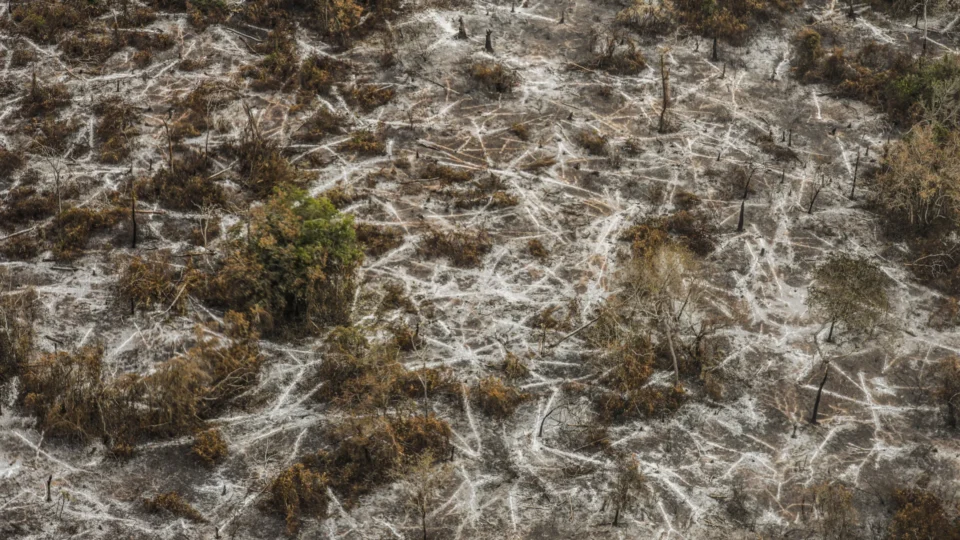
735	462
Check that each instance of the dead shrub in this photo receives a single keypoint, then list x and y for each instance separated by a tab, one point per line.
25	204
536	248
48	133
156	281
21	247
22	56
618	55
43	99
646	19
379	239
464	249
115	129
194	111
299	491
17	334
47	20
514	367
279	68
184	186
593	142
262	166
71	229
318	74
321	124
493	77
445	174
173	503
921	514
365	142
691	229
10	161
370	96
209	446
521	131
496	399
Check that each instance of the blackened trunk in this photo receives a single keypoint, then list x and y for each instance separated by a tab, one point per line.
816	404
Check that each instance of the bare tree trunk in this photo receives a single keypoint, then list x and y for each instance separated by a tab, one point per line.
133	217
856	168
489	44
49	481
673	355
665	78
740	222
816	404
830	334
714	48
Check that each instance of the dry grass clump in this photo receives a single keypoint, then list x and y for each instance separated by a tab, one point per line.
295	263
26	203
493	77
520	131
200	13
156	282
370	96
647	19
47	20
514	367
692	229
280	66
921	514
497	399
262	166
17	335
48	133
71	229
70	397
299	491
494	201
41	99
194	111
445	174
209	446
618	55
22	56
536	248
365	142
379	239
321	124
10	161
464	249
184	186
115	129
173	503
593	142
318	74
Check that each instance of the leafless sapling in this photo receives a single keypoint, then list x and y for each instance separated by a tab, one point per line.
816	403
665	79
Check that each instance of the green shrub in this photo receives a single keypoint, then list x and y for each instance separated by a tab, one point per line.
295	263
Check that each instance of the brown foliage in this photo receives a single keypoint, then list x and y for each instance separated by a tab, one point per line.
173	503
42	99
156	281
321	124
115	128
464	249
72	228
378	239
185	186
298	491
365	142
209	446
493	77
10	161
497	399
921	514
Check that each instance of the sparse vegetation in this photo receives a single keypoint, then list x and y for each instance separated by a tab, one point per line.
464	249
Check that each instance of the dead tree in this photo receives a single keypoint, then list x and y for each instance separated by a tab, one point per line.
856	168
665	78
816	403
817	188
740	221
49	481
489	44
133	217
462	34
563	14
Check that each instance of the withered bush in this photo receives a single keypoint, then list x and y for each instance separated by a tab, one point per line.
690	228
68	395
115	129
463	248
17	315
514	367
592	141
646	19
195	109
10	161
618	54
48	133
209	446
318	74
365	142
321	124
47	20
921	514
493	77
27	203
262	166
296	264
445	174
370	96
299	491
279	68
156	281
72	228
173	503
43	99
536	248
497	399
185	186
378	239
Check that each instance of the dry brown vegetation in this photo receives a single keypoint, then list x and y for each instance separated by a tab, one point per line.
173	503
115	128
378	239
156	282
209	446
493	77
497	399
463	248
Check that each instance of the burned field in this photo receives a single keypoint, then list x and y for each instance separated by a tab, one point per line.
479	270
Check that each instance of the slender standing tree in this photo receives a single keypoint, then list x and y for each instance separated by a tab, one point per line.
849	290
